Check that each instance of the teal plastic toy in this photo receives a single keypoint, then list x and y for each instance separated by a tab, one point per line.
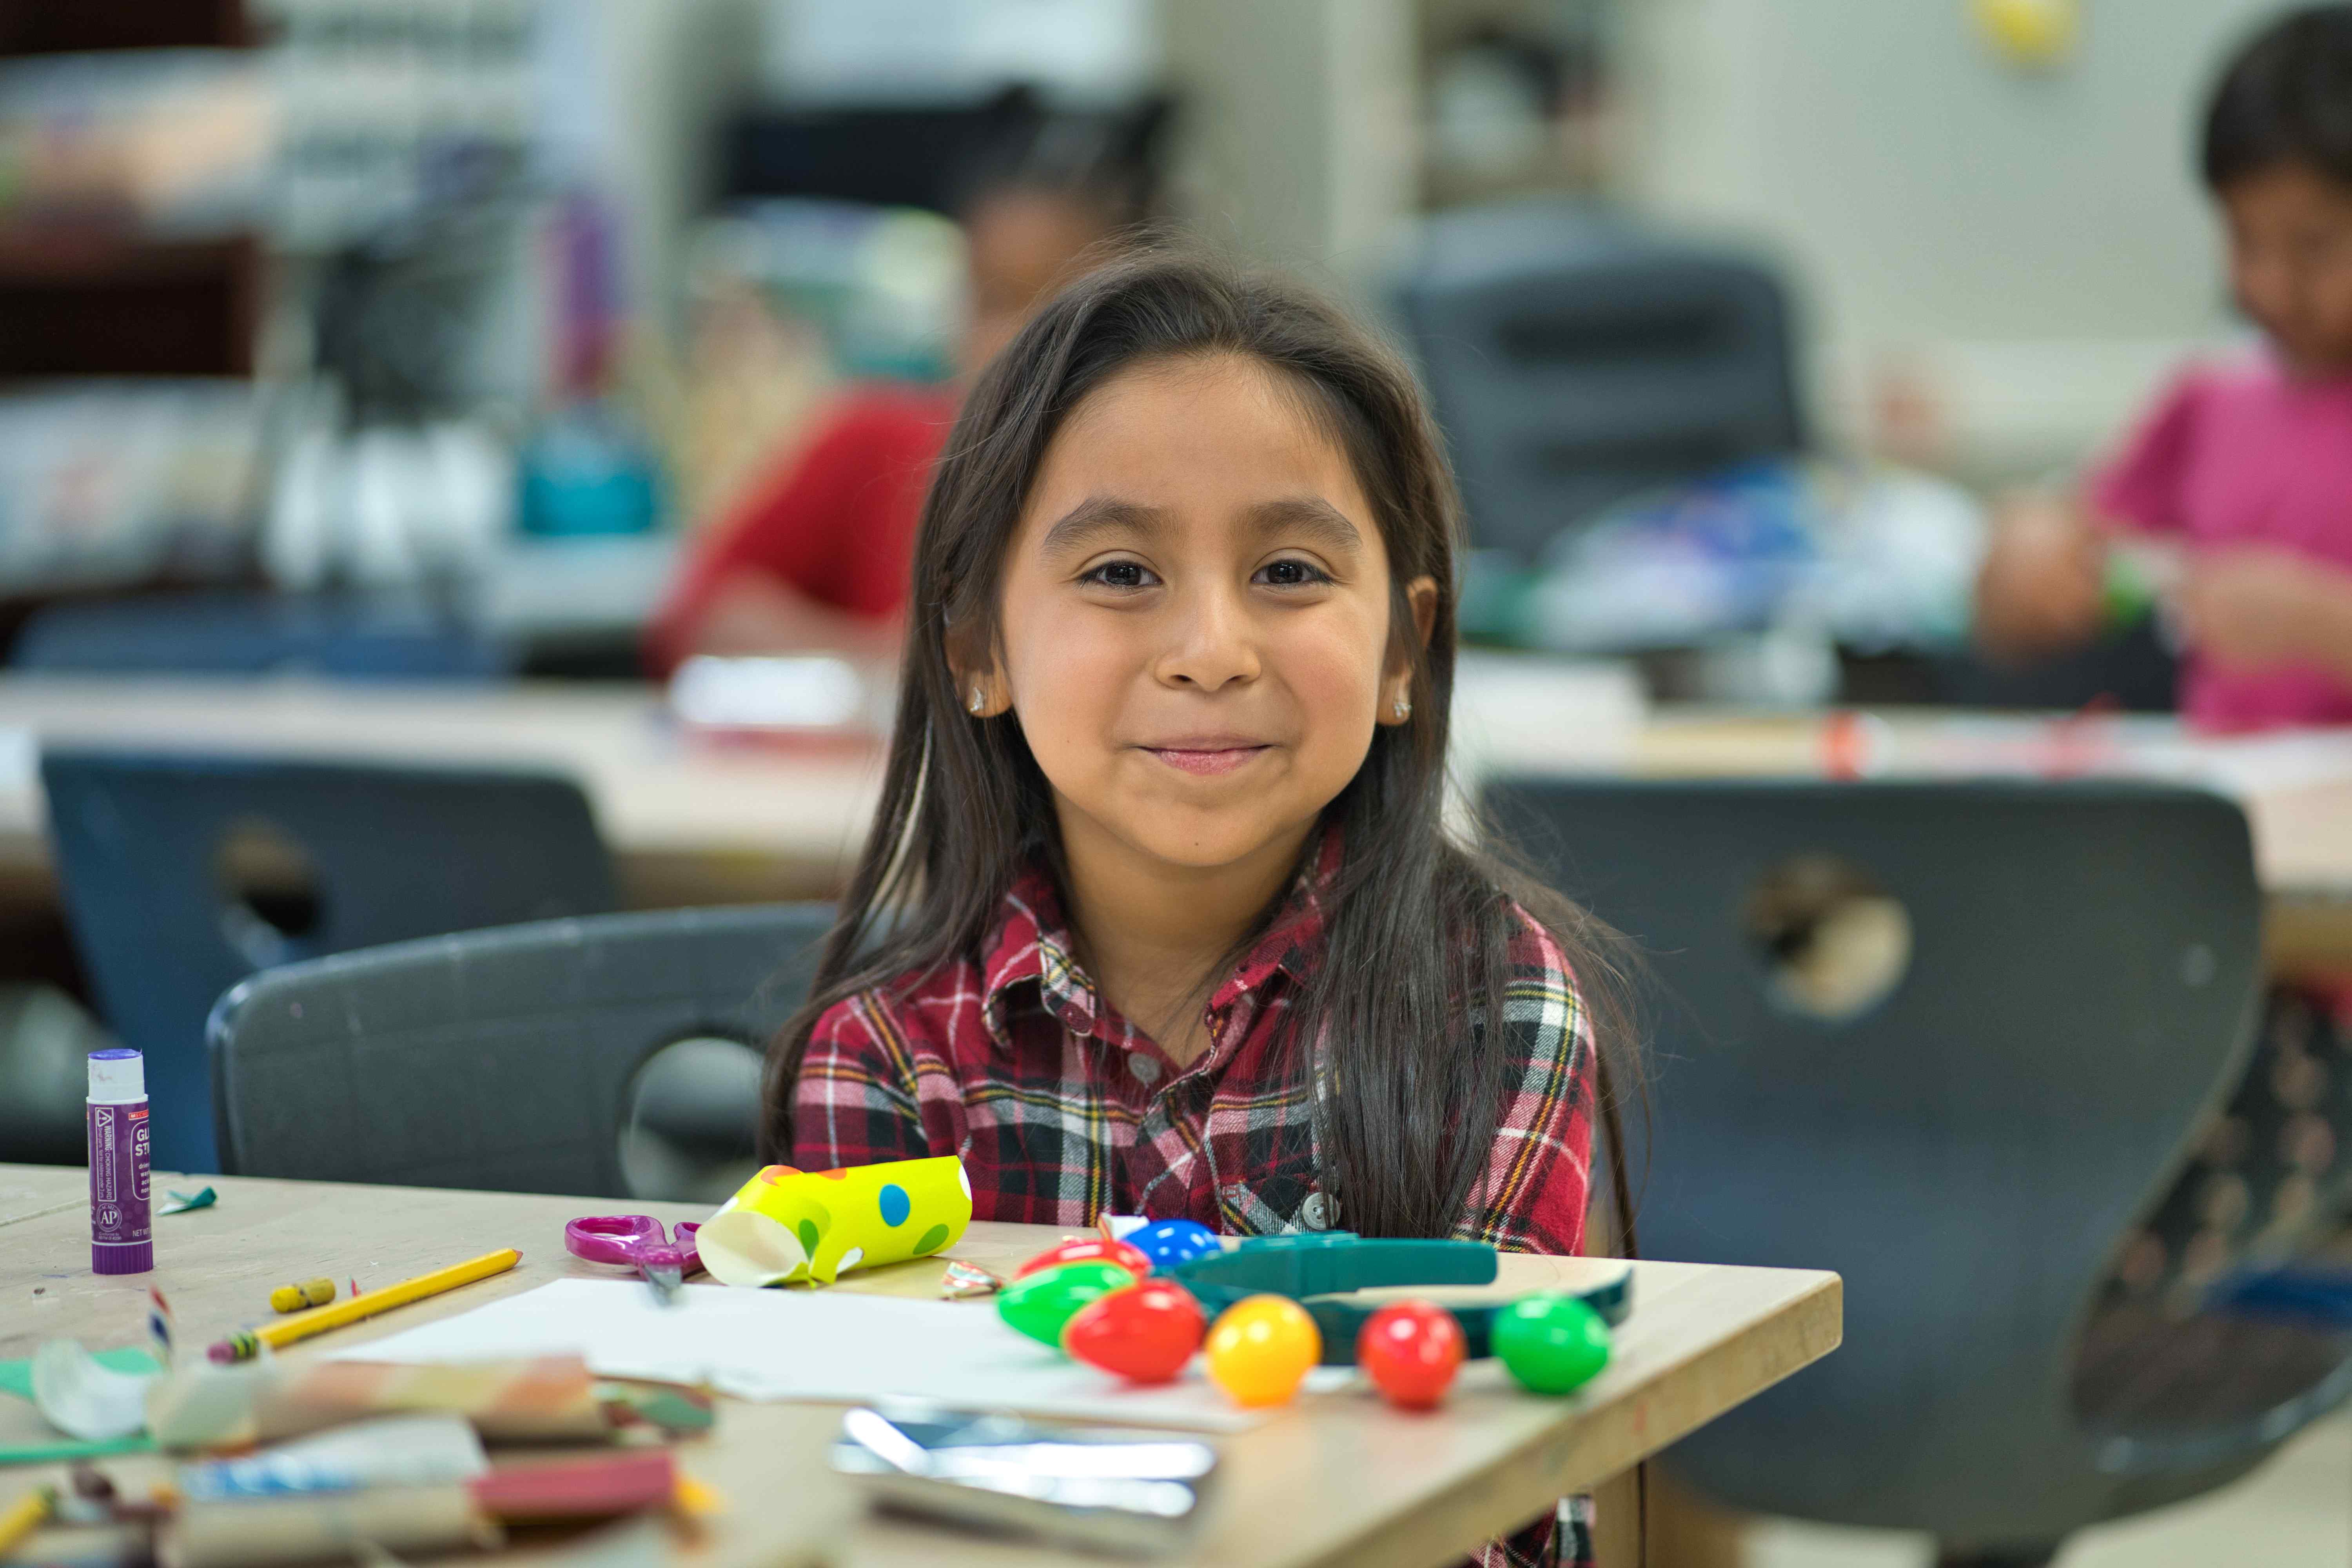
1318	1270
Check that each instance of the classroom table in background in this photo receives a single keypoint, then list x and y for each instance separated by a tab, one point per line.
2295	787
691	819
1338	1479
695	818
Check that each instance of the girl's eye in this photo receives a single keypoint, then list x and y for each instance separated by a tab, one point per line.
1291	574
1122	574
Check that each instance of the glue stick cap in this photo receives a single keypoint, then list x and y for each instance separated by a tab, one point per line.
117	1077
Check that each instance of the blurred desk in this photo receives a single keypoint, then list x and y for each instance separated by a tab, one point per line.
691	819
2294	785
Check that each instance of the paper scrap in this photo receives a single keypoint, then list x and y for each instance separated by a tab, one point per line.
183	1202
84	1398
829	1346
17	1376
963	1280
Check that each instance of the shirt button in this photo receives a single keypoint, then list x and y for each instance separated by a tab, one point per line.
1145	1069
1315	1214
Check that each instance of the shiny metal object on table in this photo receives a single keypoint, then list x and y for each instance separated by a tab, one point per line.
1104	1489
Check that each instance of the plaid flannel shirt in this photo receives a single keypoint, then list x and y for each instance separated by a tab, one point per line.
1062	1109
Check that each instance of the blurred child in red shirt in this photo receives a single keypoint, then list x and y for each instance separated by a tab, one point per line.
815	552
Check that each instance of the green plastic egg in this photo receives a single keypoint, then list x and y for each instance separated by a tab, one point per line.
1551	1343
1039	1304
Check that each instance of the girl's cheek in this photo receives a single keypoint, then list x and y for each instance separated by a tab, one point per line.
1084	645
1336	672
1068	682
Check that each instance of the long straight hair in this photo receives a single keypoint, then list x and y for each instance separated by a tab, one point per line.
1409	993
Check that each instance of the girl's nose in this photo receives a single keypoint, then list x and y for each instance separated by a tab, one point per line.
1210	644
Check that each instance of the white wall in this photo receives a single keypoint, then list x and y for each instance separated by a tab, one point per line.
1297	129
2033	247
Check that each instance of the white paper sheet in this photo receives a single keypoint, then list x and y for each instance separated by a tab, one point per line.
822	1345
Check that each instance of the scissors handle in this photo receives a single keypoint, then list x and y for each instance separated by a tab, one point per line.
632	1241
681	1256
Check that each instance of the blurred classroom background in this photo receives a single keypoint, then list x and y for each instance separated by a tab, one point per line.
371	370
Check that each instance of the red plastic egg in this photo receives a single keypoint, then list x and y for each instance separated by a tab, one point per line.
1410	1350
1087	1249
1144	1333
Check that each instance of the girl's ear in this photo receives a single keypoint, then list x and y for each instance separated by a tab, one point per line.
1422	591
978	686
1396	698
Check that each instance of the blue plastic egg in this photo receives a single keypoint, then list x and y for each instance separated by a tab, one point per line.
1168	1242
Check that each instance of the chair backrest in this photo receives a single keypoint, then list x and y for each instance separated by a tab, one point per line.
496	1060
1573	359
257	634
182	874
2083	964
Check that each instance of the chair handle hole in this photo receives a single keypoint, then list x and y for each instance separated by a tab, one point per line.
271	896
1833	942
691	1120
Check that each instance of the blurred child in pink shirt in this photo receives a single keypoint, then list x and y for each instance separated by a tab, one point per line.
2241	474
2235	492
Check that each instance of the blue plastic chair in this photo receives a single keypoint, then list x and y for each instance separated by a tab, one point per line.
1967	1151
1575	358
511	1060
182	875
259	634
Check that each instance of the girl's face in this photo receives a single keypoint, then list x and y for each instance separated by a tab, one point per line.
2291	262
1195	618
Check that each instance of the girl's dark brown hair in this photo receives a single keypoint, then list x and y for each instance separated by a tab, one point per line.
2284	98
1415	964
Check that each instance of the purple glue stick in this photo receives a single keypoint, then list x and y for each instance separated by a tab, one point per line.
119	1238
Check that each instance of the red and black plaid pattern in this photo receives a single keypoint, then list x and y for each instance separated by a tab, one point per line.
1061	1109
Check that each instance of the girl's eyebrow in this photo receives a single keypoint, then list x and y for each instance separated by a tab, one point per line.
1311	515
1097	516
1086	524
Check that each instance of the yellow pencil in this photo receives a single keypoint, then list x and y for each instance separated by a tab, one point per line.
25	1515
319	1320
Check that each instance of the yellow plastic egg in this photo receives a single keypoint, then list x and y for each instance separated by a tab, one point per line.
1260	1348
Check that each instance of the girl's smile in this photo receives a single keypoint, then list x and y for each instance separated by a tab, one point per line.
1207	755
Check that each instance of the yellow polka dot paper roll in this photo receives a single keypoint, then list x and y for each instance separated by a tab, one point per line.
787	1224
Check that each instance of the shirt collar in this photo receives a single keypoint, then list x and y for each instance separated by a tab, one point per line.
1032	943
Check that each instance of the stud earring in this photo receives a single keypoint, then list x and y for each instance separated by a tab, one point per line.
978	700
1400	708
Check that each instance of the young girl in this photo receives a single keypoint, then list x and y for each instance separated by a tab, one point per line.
1160	914
2243	468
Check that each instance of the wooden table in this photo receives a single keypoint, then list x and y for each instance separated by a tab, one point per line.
695	820
691	819
1337	1478
689	813
2295	787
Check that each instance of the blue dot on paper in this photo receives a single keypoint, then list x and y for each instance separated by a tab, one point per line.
896	1205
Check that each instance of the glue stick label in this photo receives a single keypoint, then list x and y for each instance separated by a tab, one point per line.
120	1241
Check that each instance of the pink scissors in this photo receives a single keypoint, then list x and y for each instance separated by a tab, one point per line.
637	1241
